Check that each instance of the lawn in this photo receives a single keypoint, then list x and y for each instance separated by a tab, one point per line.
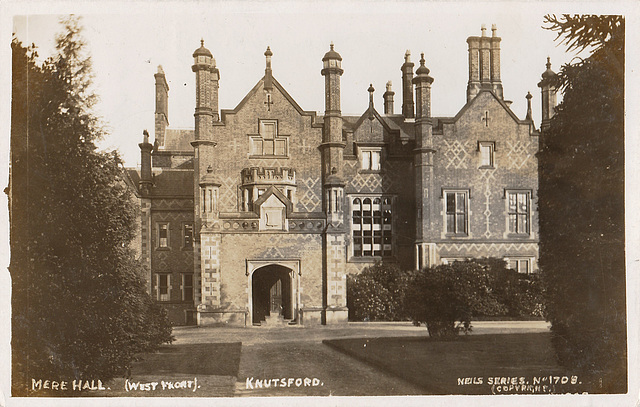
211	368
474	364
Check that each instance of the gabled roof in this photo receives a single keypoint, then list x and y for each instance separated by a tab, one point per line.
389	125
166	183
371	111
257	88
272	190
469	103
178	139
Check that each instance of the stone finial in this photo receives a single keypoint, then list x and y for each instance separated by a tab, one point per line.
529	114
407	56
145	135
389	86
371	90
484	30
494	28
160	70
548	62
268	77
422	69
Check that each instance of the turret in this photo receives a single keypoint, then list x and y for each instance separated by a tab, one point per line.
388	100
332	136
334	301
423	91
407	87
548	88
423	167
162	106
332	144
207	77
146	179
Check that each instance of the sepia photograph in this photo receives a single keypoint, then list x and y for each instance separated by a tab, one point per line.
319	203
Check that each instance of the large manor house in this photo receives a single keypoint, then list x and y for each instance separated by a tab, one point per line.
258	213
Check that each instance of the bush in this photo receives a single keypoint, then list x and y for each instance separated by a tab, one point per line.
376	294
444	295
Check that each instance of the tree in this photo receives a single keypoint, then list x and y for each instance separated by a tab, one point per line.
581	202
80	309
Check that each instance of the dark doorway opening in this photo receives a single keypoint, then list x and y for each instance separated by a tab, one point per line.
271	292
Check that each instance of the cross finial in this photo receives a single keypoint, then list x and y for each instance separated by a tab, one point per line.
486	118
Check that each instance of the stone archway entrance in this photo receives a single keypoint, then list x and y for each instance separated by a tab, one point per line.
272	293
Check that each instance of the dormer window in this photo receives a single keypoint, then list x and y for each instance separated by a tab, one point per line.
370	159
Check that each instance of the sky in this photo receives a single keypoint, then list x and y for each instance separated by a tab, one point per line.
129	40
372	39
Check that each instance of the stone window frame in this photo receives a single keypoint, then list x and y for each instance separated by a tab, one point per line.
356	253
260	138
491	147
184	286
519	215
452	259
166	245
366	160
516	262
160	296
447	213
186	246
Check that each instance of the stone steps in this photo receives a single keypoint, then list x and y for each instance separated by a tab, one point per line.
275	321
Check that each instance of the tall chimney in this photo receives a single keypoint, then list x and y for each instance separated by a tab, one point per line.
388	99
145	165
408	108
162	105
496	82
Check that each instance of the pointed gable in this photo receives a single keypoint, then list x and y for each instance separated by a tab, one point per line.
484	110
372	128
271	101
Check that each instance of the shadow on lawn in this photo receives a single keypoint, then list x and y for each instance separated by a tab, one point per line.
213	359
474	364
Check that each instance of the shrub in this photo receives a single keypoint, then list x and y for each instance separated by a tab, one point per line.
443	295
376	294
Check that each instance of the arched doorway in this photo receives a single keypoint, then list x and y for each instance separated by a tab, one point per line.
271	293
